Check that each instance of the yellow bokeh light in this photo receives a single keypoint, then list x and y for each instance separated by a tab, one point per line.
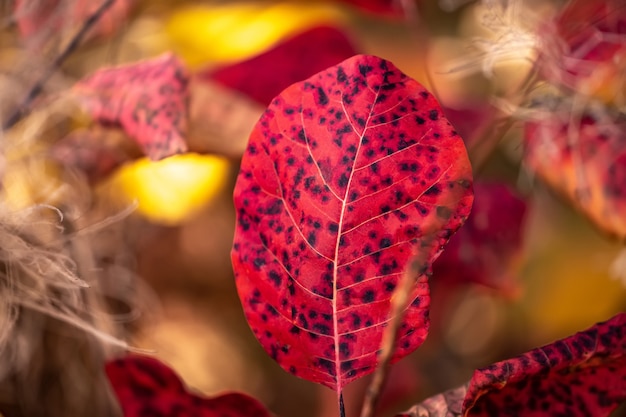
231	32
171	190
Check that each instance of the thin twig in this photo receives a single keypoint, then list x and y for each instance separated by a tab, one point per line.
37	88
399	303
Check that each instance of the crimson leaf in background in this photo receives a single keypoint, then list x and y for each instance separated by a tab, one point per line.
581	375
484	250
379	7
146	387
263	77
347	176
147	99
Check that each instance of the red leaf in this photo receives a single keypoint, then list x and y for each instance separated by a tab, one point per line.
148	99
146	387
484	250
585	160
585	47
384	7
345	176
582	375
296	59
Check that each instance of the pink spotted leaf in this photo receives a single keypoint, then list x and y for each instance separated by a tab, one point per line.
146	387
581	375
148	99
348	175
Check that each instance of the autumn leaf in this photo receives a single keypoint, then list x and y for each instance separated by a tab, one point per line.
581	375
235	31
146	387
379	7
585	48
264	76
485	250
585	160
347	176
147	99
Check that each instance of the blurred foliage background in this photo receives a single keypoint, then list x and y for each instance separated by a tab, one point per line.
177	242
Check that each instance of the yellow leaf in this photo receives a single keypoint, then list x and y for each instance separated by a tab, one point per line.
232	32
171	190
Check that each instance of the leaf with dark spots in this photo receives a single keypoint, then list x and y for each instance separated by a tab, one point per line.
147	99
582	375
583	159
146	387
296	59
579	376
362	246
485	251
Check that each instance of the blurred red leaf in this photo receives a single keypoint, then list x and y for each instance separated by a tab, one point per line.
148	99
585	160
484	250
263	77
585	47
582	375
379	7
146	387
346	177
37	19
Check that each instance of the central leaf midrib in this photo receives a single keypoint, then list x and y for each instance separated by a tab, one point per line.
338	239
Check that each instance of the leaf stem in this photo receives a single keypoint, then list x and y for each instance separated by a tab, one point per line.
37	88
342	408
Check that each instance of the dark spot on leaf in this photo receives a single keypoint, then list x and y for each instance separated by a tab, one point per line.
368	296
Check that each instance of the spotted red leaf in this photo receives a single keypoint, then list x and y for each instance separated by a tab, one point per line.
346	177
485	249
147	99
585	160
296	59
582	375
146	387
